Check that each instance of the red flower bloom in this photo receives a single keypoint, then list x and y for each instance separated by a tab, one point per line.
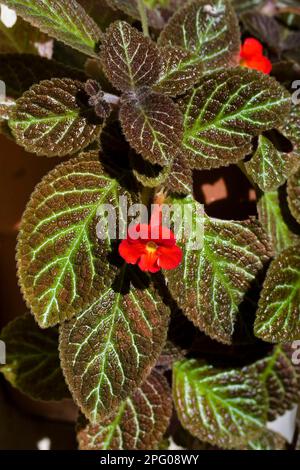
251	56
151	247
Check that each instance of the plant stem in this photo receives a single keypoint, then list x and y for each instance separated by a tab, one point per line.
144	19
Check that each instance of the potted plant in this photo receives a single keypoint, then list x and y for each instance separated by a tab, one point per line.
159	333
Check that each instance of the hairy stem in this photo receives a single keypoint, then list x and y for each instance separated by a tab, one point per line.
144	19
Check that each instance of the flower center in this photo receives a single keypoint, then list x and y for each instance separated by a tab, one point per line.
151	247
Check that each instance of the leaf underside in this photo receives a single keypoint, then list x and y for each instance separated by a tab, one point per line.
212	281
65	20
110	347
224	408
53	118
225	111
269	167
278	315
139	423
209	30
32	361
152	124
62	265
129	59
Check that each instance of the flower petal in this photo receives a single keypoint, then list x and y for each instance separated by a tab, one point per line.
131	251
169	257
148	262
251	48
261	64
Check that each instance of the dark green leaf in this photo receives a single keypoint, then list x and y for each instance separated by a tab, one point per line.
225	111
276	220
32	361
66	20
269	167
213	279
180	71
208	29
157	130
129	59
138	424
108	350
222	407
62	264
294	195
21	71
53	118
278	316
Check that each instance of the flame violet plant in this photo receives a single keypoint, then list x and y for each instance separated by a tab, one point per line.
156	341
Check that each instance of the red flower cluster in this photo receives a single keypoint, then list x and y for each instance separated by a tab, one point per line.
251	56
151	247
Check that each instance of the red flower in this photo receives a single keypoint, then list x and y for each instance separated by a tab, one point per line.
151	247
251	56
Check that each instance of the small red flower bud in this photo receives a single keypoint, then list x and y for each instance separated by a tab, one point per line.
251	56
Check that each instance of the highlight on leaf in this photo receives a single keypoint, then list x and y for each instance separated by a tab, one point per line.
208	29
277	319
129	59
225	111
62	265
212	280
139	423
152	125
109	348
226	408
65	20
32	360
54	118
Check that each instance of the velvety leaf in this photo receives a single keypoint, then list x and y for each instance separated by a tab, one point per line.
101	12
146	173
20	38
157	129
212	280
32	361
53	118
225	111
208	29
130	7
241	6
139	422
65	20
291	126
21	71
294	195
129	59
62	264
278	314
269	440
180	178
108	350
275	219
170	354
278	374
180	71
222	407
269	167
264	28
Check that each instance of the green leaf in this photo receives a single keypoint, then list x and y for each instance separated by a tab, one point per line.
294	195
32	361
208	29
269	167
223	407
20	38
129	59
278	315
65	20
180	177
214	277
180	71
291	126
53	118
157	130
139	423
225	111
276	220
21	71
62	264
108	350
269	440
280	378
